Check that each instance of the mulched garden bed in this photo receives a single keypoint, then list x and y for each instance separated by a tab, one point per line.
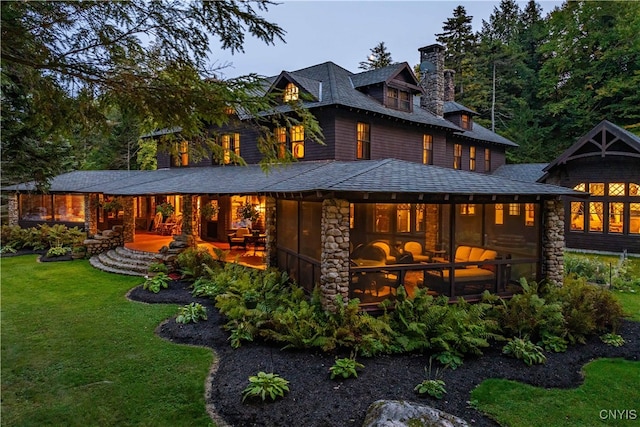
316	400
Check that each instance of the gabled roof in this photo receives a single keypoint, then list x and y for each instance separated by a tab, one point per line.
310	86
371	176
385	75
527	172
605	139
481	133
454	107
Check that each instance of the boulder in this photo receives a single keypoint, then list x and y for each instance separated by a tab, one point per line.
401	413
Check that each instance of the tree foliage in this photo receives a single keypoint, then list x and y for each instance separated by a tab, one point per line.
378	58
69	67
460	41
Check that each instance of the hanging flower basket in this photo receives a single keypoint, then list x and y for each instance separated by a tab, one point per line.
249	212
166	209
209	211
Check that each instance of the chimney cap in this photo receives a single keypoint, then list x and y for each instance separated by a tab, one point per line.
431	47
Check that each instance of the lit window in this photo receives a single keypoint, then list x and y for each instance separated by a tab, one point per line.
577	216
225	142
281	138
596	189
467	209
403	218
297	141
580	187
465	121
634	218
487	160
457	156
236	144
382	218
499	214
352	215
290	92
514	209
421	217
472	158
363	145
427	149
596	211
530	214
184	153
616	189
634	189
616	217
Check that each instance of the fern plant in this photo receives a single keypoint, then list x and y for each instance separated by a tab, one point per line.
265	385
192	313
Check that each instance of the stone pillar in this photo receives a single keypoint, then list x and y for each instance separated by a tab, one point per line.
334	267
12	209
271	254
91	204
432	78
449	86
128	219
553	241
189	215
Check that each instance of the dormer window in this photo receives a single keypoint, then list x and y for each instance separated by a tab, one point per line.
466	122
290	92
398	99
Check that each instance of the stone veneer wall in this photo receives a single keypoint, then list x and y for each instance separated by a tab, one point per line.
12	209
129	219
432	83
102	242
553	242
334	267
271	254
189	215
91	213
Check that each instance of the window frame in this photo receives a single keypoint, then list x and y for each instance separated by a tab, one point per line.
457	156
427	149
363	141
472	158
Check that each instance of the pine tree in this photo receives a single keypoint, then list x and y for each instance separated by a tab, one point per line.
378	58
460	42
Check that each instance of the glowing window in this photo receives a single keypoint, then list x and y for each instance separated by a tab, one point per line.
290	92
577	216
499	214
457	156
580	187
596	216
467	209
363	141
596	189
465	121
297	141
383	218
514	209
472	158
487	160
634	218
634	189
427	149
530	214
225	142
281	138
616	189
616	217
421	217
403	218
236	144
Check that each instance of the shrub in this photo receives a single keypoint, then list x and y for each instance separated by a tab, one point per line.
593	270
157	282
614	340
158	267
524	350
192	313
346	367
192	261
265	385
56	251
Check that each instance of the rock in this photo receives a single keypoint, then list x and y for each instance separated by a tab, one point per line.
401	413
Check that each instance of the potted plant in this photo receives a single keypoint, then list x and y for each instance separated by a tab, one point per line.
249	213
113	205
166	209
209	211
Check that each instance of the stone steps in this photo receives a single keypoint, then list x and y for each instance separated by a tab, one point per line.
124	261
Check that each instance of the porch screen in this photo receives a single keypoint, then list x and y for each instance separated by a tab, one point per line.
310	229
287	220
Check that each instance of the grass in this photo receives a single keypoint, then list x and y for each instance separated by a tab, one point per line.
610	388
76	352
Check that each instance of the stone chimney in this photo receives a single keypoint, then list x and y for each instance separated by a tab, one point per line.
432	78
449	86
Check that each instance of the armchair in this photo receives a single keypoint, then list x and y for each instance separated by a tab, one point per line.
238	238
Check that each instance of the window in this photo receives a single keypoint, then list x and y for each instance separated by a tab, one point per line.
457	156
383	218
577	216
616	217
634	189
616	189
467	209
225	142
529	214
580	187
290	92
427	149
421	217
236	144
281	138
596	189
596	210
499	214
472	158
466	123
184	153
398	99
363	146
487	160
634	218
297	141
514	209
403	218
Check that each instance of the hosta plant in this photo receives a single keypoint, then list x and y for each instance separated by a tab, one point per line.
614	340
524	350
192	313
265	385
345	368
58	251
432	387
157	282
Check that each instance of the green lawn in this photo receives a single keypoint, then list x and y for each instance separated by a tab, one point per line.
76	352
610	390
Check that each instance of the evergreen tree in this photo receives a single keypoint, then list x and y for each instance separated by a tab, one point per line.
460	42
378	58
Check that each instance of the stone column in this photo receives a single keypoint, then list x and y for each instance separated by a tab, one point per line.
334	267
12	209
91	214
432	78
271	254
128	219
553	241
189	215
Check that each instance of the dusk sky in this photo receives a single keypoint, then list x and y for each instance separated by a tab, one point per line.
344	32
